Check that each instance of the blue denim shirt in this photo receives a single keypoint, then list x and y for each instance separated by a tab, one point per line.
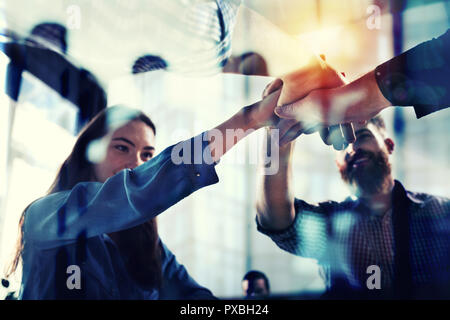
55	226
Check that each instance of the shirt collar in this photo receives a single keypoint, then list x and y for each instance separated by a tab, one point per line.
358	204
411	196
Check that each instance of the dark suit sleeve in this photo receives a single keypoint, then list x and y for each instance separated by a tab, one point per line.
418	77
177	283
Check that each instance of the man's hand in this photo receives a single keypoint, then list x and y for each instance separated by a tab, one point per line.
355	102
296	85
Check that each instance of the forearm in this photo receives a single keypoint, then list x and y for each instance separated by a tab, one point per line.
275	204
122	202
417	77
249	119
363	96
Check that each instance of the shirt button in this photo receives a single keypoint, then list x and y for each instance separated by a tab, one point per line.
197	174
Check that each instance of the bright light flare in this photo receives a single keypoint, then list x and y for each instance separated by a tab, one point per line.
337	43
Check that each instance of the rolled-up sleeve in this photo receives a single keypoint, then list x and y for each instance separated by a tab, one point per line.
418	77
125	200
307	236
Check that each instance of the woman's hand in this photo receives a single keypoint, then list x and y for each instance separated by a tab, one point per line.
253	117
261	114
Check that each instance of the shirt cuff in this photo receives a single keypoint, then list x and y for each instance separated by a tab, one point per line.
393	83
195	155
279	236
423	110
418	77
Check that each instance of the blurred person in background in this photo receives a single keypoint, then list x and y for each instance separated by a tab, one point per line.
255	285
248	63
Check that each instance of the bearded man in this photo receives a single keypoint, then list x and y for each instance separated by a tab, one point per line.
385	242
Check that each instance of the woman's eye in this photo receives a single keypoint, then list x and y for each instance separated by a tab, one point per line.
147	155
121	148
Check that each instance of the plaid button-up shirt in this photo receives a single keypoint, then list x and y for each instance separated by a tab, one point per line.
346	238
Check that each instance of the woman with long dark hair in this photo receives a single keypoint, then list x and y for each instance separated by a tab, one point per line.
94	235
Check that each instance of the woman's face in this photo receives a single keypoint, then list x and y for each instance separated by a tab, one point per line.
128	147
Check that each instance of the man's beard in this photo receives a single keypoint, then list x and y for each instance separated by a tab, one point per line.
370	177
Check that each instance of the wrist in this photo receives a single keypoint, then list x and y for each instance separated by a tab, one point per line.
366	98
248	116
284	150
377	100
261	113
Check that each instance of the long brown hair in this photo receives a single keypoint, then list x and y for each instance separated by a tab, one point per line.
139	246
